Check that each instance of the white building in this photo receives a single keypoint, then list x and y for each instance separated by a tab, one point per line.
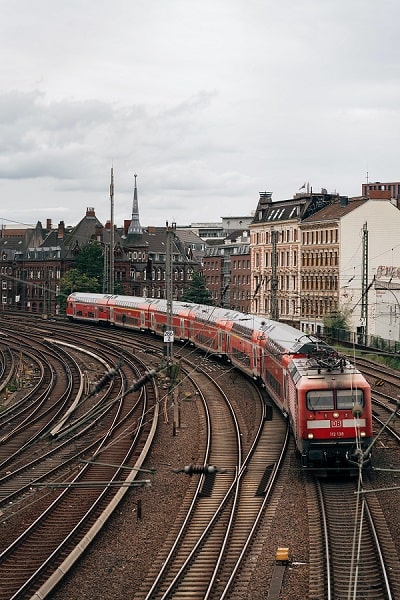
368	240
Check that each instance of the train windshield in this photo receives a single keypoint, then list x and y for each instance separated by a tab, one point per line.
320	400
326	399
348	398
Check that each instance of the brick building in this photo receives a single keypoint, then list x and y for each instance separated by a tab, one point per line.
227	271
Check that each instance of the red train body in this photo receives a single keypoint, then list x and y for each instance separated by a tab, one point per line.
326	399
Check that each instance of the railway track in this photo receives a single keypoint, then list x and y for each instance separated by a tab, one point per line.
244	527
105	459
360	559
212	538
354	547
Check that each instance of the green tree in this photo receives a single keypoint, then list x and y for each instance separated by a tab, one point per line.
74	280
90	261
196	291
336	324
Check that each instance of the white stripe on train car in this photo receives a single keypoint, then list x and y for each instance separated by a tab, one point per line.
326	423
354	423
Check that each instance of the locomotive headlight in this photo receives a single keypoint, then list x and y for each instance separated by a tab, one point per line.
310	436
362	434
335	415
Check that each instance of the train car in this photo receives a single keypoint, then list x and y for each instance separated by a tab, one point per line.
129	312
329	406
84	306
277	341
204	329
159	320
326	399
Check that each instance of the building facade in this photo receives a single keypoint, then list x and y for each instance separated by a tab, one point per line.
382	190
227	272
33	261
325	259
276	255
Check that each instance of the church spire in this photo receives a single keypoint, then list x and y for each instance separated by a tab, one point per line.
135	226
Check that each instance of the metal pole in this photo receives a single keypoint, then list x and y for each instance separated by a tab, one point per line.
364	283
169	288
112	233
274	278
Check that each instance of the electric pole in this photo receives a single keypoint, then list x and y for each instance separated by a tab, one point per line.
274	278
169	333
364	283
111	283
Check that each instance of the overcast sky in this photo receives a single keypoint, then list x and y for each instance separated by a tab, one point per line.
208	101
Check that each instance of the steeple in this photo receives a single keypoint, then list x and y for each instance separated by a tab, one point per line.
135	226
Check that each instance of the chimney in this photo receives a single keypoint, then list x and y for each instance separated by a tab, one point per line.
266	197
344	200
60	232
90	212
99	232
127	222
48	224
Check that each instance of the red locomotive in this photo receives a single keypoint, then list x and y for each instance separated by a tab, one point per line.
327	400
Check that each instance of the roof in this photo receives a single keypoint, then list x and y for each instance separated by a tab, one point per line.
9	246
335	211
299	208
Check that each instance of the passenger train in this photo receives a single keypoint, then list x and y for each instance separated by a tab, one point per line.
325	397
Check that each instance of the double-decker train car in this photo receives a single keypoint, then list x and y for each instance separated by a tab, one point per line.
326	398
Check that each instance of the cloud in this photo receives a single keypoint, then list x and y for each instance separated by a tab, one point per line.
209	102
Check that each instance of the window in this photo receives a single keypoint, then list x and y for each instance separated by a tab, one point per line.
320	400
346	399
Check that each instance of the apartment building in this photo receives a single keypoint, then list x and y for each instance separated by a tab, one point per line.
275	248
317	254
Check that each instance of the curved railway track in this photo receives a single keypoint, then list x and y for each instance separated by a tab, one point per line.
110	456
215	552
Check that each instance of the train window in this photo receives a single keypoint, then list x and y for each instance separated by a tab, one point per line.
320	400
348	398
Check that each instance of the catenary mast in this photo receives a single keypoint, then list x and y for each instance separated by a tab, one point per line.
111	287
